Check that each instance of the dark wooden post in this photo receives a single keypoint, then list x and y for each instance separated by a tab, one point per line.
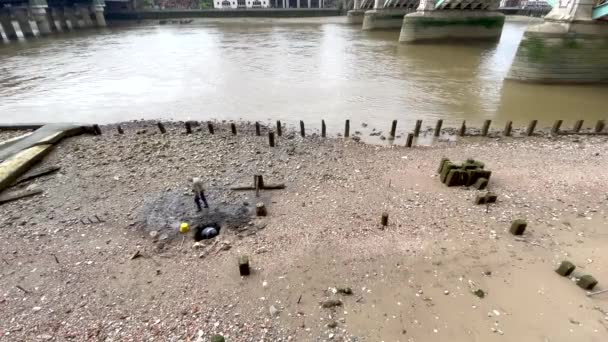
97	129
531	127
347	129
188	127
120	130
384	220
556	126
394	128
323	129
257	128
417	128
508	127
302	131
161	128
279	128
233	128
486	128
599	126
271	139
210	127
409	140
577	126
438	128
244	266
463	128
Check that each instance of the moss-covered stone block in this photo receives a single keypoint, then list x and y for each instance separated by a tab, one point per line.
441	163
587	282
447	167
518	227
481	183
565	268
244	265
480	199
456	177
218	338
491	197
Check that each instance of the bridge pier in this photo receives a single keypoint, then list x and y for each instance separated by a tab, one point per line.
22	15
569	47
7	24
59	19
38	9
355	16
70	18
385	18
100	19
83	16
436	20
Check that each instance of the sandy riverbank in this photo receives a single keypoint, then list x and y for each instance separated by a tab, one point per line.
411	281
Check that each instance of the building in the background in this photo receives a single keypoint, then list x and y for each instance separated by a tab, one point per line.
234	4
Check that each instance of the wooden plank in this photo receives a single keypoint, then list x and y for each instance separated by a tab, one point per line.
12	168
15	195
38	173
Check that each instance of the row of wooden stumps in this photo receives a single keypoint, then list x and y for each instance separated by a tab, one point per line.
555	129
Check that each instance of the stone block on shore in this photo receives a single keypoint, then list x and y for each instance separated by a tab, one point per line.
587	282
518	227
565	268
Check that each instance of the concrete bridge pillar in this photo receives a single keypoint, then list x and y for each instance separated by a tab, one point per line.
23	18
70	18
355	16
436	20
98	8
569	47
59	19
387	17
83	16
7	24
38	9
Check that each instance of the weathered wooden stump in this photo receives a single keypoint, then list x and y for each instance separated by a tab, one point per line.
244	265
463	129
394	129
438	128
347	129
384	220
161	128
302	130
260	209
188	127
565	268
210	127
518	227
577	126
417	128
97	129
271	139
531	127
323	129
556	127
508	128
410	140
485	128
587	282
279	128
120	130
257	129
599	126
233	128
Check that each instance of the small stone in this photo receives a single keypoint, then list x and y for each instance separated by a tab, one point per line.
565	268
518	227
217	338
587	282
36	308
44	337
154	234
332	324
330	303
446	292
479	293
274	312
344	290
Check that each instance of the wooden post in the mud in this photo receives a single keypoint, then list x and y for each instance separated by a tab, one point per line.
257	128
260	209
409	140
120	130
384	220
438	127
531	127
394	129
508	128
347	129
463	128
161	127
210	127
556	126
485	128
323	129
417	128
188	127
302	131
279	128
244	265
97	129
577	126
599	126
233	128
271	139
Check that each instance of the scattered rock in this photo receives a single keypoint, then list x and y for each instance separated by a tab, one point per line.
274	312
479	293
330	303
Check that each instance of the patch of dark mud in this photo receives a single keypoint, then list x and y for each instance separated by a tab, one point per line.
164	212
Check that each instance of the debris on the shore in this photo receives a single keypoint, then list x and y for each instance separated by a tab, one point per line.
518	227
565	268
330	303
